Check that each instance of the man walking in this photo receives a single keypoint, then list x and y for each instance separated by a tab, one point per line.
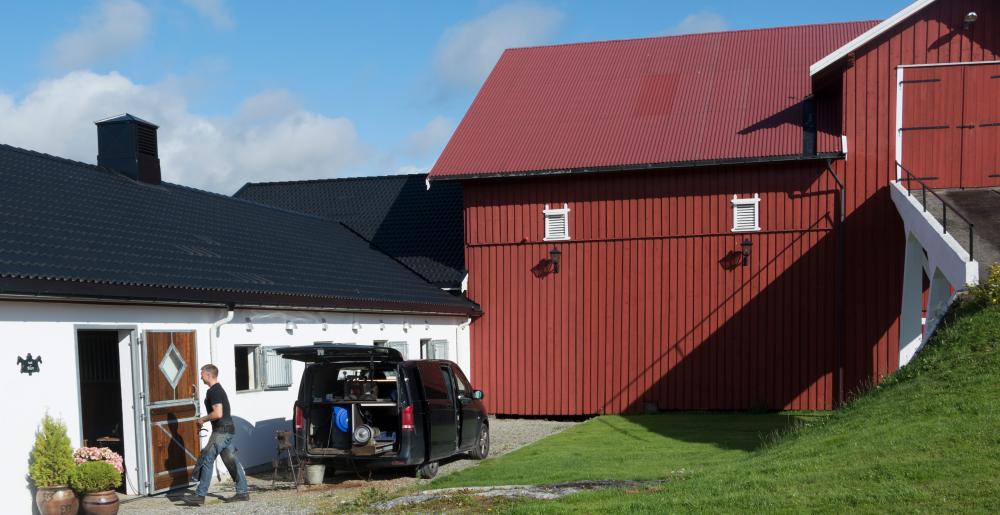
220	443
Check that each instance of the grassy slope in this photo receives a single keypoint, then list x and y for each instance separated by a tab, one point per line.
928	439
633	447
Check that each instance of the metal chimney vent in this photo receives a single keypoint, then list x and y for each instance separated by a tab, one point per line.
127	144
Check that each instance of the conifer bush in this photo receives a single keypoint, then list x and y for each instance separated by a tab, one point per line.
51	462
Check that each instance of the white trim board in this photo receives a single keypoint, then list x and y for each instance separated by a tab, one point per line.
868	35
935	65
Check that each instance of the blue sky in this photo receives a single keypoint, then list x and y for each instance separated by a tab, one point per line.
254	90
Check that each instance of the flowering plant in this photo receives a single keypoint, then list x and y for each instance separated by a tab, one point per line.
85	454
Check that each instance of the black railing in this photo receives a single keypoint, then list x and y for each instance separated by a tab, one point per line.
908	178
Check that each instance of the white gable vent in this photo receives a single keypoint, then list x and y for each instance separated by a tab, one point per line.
746	214
556	223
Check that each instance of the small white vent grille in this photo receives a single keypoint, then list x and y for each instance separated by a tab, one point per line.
746	214
556	223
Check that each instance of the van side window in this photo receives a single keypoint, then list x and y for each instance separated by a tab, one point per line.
434	386
448	382
461	383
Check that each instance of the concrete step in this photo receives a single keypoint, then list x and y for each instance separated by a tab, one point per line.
981	206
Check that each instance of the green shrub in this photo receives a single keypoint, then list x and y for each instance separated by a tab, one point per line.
51	461
95	476
988	289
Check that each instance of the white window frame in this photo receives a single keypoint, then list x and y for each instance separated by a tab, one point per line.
258	369
738	203
551	214
401	345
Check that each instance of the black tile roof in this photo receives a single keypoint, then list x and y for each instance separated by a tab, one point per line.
420	227
71	228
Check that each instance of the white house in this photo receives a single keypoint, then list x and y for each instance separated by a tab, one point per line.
115	288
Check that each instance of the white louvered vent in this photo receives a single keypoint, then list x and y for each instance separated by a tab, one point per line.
746	214
556	223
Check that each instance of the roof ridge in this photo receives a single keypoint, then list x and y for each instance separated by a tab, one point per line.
44	155
332	179
693	35
105	169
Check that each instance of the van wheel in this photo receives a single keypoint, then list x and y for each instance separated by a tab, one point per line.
482	448
428	470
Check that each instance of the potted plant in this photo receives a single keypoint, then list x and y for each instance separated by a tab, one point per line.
97	481
50	468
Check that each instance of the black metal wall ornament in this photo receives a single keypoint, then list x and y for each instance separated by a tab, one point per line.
29	365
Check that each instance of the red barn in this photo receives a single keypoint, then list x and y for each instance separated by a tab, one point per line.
705	221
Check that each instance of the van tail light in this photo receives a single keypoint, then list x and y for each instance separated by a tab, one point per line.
407	418
298	419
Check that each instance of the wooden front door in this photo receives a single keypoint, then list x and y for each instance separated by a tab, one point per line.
950	132
172	375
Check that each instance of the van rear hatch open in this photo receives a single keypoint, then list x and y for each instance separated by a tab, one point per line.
340	353
349	399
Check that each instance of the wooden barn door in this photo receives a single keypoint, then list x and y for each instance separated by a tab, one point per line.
950	132
981	126
930	133
171	371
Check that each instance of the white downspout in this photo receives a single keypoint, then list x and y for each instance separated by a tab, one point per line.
214	332
458	344
212	335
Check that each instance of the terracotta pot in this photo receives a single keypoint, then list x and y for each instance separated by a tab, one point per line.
100	503
56	500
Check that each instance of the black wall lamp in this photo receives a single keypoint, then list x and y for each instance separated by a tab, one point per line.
969	20
554	255
746	245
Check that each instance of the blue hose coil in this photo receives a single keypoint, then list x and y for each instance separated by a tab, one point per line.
342	418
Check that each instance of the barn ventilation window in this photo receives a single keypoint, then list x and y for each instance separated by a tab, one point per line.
746	214
556	223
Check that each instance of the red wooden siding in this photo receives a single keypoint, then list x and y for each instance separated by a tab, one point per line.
651	303
874	233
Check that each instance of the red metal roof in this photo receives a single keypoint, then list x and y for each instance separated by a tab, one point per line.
675	99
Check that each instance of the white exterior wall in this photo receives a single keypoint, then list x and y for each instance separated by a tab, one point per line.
49	330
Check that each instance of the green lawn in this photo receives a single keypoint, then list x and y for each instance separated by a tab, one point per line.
927	440
634	447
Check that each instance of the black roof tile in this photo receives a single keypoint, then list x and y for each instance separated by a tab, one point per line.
397	213
65	222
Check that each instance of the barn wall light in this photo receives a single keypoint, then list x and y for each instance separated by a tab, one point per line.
555	255
746	246
969	20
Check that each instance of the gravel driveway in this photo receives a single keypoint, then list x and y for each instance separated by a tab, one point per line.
343	487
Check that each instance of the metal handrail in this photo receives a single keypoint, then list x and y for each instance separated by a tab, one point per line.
909	177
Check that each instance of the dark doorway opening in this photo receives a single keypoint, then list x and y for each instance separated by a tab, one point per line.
101	390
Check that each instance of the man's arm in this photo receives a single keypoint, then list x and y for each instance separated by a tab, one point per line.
216	414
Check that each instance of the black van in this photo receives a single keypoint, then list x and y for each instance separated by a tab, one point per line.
361	406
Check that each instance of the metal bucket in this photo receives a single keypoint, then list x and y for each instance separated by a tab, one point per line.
315	473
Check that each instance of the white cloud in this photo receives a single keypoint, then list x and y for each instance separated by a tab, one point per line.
431	138
467	52
704	21
117	27
214	11
269	138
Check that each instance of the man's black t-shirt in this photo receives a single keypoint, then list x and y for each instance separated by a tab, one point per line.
216	395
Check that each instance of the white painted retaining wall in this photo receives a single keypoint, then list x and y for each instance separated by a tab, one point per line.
49	330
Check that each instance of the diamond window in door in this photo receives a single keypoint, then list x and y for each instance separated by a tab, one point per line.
172	365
